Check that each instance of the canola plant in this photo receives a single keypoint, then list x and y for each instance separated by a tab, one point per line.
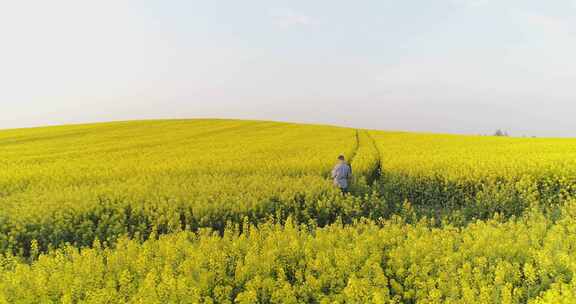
228	211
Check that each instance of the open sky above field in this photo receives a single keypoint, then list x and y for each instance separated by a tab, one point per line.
461	66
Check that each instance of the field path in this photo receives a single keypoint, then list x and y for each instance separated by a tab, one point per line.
377	169
356	145
366	158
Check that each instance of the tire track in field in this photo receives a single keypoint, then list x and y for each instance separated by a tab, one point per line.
377	170
356	146
373	172
354	150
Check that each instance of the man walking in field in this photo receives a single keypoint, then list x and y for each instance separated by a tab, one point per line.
341	174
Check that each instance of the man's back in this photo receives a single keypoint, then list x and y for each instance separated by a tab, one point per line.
341	173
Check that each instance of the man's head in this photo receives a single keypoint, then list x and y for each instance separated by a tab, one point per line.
341	158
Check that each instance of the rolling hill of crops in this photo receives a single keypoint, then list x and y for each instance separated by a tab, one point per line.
229	211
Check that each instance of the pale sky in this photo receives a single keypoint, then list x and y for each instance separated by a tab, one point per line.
458	66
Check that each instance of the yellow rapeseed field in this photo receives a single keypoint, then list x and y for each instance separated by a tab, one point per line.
230	211
476	157
474	177
78	183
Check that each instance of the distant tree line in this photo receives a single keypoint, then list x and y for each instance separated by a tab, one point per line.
501	133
